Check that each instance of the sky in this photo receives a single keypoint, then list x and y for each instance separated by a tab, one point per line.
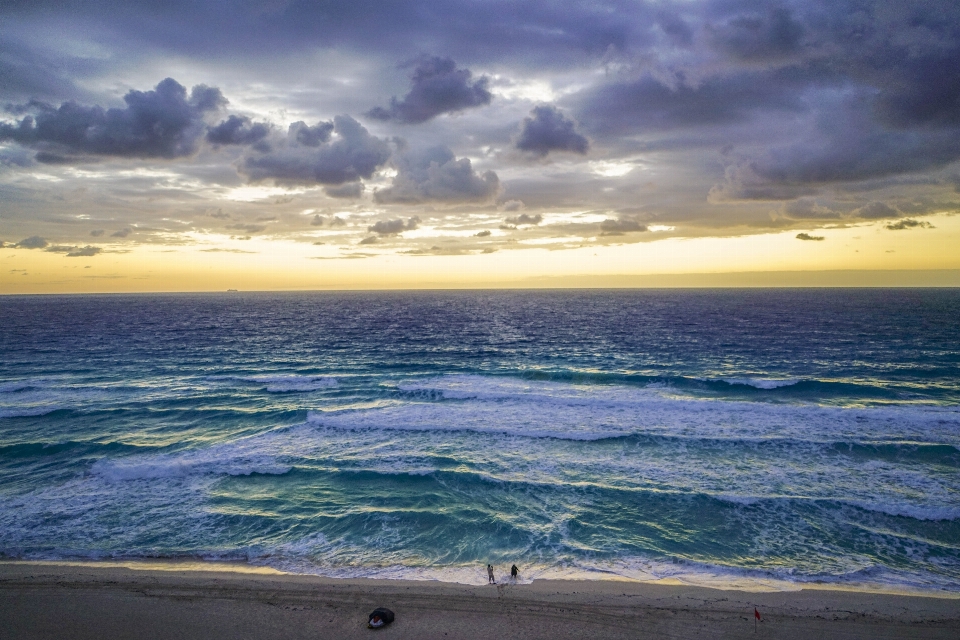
311	144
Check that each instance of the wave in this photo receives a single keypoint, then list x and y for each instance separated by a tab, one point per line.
547	409
199	463
292	383
283	383
762	383
80	448
316	554
751	385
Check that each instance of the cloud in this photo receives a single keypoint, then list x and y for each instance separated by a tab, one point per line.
875	210
16	157
766	36
352	155
807	236
438	87
96	233
369	240
908	223
238	130
163	123
249	228
317	221
653	104
620	227
807	209
309	136
483	234
348	190
546	130
512	205
393	227
435	175
33	242
525	218
84	252
122	233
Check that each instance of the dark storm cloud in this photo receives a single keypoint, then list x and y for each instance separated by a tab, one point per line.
876	210
547	129
238	130
675	27
544	32
908	223
807	209
808	97
304	134
807	236
858	151
435	175
621	226
353	155
33	242
163	123
348	190
75	252
393	227
650	104
438	87
28	73
768	34
525	218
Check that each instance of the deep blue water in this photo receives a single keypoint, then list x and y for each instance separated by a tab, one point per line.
800	435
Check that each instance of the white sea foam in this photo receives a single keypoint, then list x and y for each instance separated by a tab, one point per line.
763	383
590	412
243	456
182	466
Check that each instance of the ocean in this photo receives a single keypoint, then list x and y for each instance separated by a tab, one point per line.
778	437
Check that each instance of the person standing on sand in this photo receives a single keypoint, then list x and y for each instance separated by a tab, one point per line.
514	573
490	579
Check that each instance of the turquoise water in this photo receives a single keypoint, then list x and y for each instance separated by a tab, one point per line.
799	436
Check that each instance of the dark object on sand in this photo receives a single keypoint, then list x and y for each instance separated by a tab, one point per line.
514	572
380	617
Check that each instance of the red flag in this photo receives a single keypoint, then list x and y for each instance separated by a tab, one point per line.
756	614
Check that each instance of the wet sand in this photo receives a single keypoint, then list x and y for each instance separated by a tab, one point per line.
94	601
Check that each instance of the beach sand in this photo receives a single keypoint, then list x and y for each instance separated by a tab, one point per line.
48	600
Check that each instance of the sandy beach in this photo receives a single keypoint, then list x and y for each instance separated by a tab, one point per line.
95	601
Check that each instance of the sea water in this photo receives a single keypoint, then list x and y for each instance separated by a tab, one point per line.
795	436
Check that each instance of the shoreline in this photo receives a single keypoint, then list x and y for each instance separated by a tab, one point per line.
87	600
741	584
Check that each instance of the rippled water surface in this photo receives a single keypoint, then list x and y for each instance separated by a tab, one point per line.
808	435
